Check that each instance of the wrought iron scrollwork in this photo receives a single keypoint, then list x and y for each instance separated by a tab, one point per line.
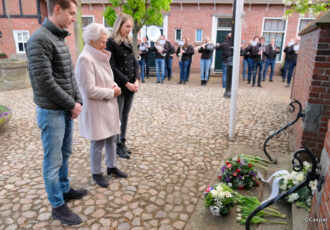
297	165
292	109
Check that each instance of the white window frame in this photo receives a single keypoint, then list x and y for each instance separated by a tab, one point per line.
175	35
299	20
196	35
90	16
15	32
284	33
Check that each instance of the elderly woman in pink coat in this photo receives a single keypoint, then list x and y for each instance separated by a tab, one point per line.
99	120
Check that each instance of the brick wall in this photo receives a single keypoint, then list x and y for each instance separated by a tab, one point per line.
312	86
320	208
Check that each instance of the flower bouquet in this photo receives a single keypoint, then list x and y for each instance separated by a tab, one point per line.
303	197
5	115
240	173
218	199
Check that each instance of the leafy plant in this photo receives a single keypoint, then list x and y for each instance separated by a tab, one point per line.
302	7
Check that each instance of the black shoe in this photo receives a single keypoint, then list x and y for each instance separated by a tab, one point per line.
202	82
121	152
162	82
271	80
74	194
283	80
184	82
123	145
143	81
65	215
116	172
249	81
260	86
100	180
180	82
253	85
157	82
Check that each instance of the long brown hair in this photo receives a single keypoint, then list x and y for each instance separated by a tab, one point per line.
121	19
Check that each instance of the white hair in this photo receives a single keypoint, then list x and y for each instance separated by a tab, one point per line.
93	32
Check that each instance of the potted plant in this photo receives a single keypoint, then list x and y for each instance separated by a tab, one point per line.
3	55
5	115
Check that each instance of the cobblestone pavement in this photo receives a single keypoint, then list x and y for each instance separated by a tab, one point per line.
178	135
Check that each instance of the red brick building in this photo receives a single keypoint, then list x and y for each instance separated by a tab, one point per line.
311	87
193	19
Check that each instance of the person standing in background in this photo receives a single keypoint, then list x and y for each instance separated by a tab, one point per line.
291	52
248	51
58	101
270	53
184	52
169	59
143	53
126	73
205	63
225	48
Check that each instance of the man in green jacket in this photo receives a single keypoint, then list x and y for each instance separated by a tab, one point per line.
58	101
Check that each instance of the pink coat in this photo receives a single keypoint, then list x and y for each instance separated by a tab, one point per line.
99	118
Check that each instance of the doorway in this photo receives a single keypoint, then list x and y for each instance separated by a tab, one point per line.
221	34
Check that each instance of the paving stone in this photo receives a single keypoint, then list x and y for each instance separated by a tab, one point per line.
124	226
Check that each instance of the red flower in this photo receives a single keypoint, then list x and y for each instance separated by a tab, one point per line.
237	170
238	160
229	166
235	174
253	178
250	165
219	177
257	183
240	187
227	162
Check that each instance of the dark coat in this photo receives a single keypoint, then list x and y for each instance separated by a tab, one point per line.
123	63
270	52
189	52
255	53
170	49
144	53
206	52
290	54
51	71
225	48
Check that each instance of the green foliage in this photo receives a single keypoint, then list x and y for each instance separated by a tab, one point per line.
144	12
313	8
208	199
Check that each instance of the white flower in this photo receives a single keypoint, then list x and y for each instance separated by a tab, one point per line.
300	177
310	2
238	210
238	218
230	184
313	185
292	197
235	159
309	201
307	165
239	214
214	193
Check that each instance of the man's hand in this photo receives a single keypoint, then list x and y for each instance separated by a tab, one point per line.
136	85
76	111
117	90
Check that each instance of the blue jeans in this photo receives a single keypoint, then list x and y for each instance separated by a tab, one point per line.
250	68
272	66
257	65
205	66
224	73
160	67
290	65
56	136
142	63
245	68
183	70
168	67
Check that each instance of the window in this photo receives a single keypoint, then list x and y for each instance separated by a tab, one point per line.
224	22
303	23
199	35
107	26
86	20
275	28
21	37
178	35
